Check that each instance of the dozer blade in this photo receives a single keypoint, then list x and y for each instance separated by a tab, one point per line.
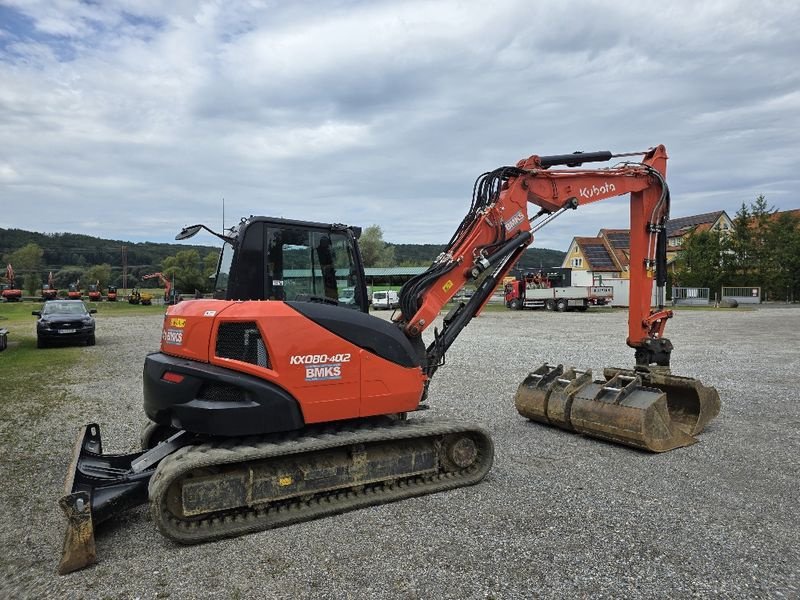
651	410
79	549
98	487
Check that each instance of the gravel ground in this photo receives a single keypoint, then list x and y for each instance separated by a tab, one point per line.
559	515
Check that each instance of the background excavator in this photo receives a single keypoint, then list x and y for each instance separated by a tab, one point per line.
95	292
139	297
170	294
49	291
74	291
270	413
9	291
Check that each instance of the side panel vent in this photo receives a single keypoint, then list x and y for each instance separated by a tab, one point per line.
241	340
221	392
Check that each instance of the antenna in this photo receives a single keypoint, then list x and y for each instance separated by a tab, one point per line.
223	215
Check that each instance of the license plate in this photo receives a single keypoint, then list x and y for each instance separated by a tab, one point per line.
66	330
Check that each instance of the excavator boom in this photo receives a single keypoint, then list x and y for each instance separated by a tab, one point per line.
646	407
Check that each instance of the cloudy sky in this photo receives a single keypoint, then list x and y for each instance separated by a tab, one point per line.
128	119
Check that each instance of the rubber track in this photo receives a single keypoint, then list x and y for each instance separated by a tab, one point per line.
285	512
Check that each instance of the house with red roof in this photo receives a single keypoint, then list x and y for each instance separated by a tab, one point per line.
605	258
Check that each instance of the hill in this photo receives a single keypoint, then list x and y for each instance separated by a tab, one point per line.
423	254
72	249
76	250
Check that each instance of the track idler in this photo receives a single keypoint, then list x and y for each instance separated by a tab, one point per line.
649	409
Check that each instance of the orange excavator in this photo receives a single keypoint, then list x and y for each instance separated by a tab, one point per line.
168	297
49	291
74	290
95	292
9	290
267	413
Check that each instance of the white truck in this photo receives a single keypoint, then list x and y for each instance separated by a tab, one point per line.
519	295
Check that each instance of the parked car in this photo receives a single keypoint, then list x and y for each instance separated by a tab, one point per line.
64	320
386	299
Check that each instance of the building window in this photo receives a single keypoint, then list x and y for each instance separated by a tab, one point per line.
674	241
577	262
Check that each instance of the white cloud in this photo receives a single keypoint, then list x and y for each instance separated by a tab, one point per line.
147	114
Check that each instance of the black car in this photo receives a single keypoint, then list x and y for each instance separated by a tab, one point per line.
66	320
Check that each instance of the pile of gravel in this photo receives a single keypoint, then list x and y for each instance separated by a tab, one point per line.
559	514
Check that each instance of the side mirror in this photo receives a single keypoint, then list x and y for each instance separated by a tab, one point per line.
92	311
36	313
188	232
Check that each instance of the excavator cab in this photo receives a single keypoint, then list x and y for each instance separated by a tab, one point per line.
265	258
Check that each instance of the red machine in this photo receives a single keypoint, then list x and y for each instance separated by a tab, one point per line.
322	390
95	293
9	291
111	295
74	291
169	297
49	291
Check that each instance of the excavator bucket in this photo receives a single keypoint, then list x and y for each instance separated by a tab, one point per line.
648	409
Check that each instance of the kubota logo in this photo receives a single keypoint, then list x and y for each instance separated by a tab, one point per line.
595	190
180	323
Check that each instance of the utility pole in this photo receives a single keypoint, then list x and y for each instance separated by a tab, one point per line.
124	270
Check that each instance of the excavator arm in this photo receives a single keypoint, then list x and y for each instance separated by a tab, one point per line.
647	406
164	281
498	228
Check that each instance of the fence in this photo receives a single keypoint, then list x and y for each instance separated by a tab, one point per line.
687	296
742	295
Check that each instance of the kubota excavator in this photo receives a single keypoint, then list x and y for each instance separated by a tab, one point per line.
74	290
169	296
10	292
266	413
95	292
49	291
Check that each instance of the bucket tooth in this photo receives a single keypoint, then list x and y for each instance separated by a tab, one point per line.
622	410
79	549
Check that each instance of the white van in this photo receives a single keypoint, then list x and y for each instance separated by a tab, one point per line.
386	299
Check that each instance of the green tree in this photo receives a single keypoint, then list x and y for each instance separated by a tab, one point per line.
69	274
210	268
741	246
27	262
101	273
782	242
187	270
760	253
701	262
374	251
